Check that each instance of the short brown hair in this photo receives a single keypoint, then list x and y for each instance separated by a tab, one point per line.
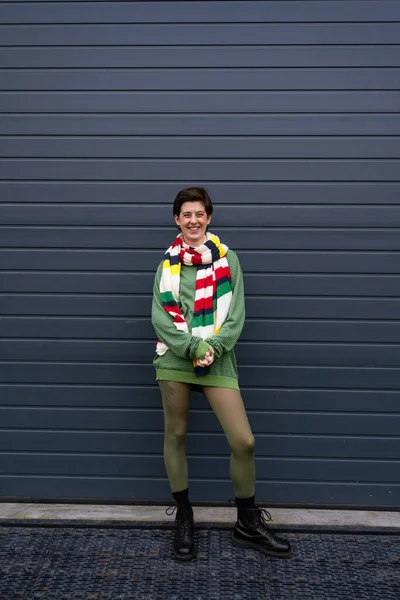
193	194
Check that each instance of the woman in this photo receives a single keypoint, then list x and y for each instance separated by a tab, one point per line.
198	314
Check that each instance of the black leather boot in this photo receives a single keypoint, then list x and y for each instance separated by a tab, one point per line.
184	533
252	531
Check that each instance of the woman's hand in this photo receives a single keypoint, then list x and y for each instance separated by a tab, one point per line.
208	358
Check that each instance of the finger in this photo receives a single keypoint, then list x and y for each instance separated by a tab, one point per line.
204	363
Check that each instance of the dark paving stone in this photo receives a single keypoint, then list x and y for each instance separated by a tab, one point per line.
127	563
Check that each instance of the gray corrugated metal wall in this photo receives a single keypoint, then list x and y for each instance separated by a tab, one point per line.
289	112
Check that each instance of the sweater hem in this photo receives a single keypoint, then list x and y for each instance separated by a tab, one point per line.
207	380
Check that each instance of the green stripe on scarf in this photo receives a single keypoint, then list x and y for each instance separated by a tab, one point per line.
203	320
167	297
224	288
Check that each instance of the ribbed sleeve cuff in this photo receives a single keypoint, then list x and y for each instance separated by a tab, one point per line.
216	345
201	349
193	347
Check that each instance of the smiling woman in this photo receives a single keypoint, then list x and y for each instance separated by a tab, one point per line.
198	314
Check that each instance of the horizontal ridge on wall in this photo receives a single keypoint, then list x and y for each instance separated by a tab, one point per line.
371	101
283	261
171	34
205	56
137	397
274	445
256	330
132	282
56	11
334	377
200	79
263	193
238	238
262	353
249	215
320	494
115	466
267	306
203	147
215	170
223	124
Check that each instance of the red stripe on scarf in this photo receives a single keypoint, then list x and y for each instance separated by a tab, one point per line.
179	318
203	303
195	257
221	272
176	313
204	282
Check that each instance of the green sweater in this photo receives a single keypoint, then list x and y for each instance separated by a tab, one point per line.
176	364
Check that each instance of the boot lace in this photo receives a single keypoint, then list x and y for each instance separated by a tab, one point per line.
265	517
183	519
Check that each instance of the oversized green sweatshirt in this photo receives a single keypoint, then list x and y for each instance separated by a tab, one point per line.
176	364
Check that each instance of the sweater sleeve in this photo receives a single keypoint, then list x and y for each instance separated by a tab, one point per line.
232	327
180	343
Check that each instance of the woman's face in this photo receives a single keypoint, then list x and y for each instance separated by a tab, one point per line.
193	221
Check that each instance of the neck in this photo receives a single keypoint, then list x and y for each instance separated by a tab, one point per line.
196	244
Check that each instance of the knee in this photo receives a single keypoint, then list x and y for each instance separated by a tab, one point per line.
244	446
175	436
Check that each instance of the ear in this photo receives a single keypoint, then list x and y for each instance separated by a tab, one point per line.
208	219
176	217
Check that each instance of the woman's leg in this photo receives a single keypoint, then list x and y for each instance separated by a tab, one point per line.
251	529
175	399
228	406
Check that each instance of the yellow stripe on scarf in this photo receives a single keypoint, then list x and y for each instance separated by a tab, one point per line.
174	269
215	240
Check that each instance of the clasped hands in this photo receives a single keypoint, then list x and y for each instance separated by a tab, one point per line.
208	358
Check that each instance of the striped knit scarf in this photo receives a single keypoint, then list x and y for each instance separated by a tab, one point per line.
213	289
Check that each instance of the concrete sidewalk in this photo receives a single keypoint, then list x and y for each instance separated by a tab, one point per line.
281	516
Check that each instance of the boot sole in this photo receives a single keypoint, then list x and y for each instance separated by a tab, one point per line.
243	544
185	558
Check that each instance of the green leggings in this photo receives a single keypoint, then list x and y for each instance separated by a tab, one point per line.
228	406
